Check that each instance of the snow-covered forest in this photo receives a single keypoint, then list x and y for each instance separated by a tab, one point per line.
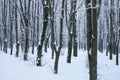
59	39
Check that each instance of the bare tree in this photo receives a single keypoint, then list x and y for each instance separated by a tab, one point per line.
118	34
45	23
57	51
34	21
38	20
73	19
111	28
11	14
52	26
4	20
16	29
70	40
71	31
91	10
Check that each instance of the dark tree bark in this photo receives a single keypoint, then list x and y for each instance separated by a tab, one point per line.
38	19
117	53
106	4
46	42
69	49
45	23
11	10
107	40
22	25
92	38
118	34
16	29
70	31
111	29
34	21
57	52
0	41
1	36
22	38
52	26
74	3
4	17
56	61
26	20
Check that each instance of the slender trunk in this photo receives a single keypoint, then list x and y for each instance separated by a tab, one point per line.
45	23
34	20
16	29
52	27
38	13
111	29
27	22
70	31
69	49
74	3
56	63
0	42
5	26
117	53
107	40
21	28
118	35
61	40
11	26
52	41
46	44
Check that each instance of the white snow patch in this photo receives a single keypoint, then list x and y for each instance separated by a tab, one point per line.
17	69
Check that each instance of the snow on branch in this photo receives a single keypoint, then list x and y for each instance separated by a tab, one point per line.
74	11
90	6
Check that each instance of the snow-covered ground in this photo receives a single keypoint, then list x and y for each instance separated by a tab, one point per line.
12	68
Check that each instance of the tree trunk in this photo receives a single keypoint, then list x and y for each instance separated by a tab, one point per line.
71	27
16	28
21	28
40	46
69	35
5	26
34	20
38	19
11	10
56	63
27	22
74	3
0	42
117	53
60	41
69	49
107	40
52	27
46	42
92	38
111	29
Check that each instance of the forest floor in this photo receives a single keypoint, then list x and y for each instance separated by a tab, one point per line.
12	68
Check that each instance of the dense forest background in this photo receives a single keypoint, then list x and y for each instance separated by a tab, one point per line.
90	25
